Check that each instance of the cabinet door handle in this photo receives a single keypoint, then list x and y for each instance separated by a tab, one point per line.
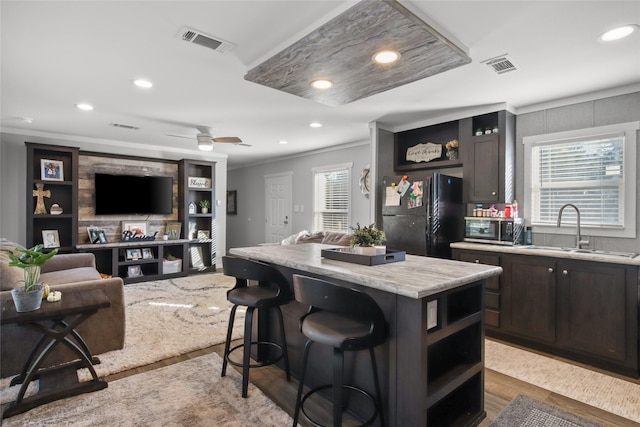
493	193
477	261
565	272
550	270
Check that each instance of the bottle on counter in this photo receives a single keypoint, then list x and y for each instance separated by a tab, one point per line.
528	237
514	209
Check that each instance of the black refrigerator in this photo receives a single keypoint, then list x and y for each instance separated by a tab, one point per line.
427	229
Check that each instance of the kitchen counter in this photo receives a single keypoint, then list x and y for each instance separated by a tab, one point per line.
548	252
415	277
431	367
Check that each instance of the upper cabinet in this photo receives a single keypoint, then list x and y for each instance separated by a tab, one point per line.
426	147
487	149
52	196
197	213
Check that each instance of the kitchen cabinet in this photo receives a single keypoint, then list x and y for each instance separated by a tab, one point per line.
489	158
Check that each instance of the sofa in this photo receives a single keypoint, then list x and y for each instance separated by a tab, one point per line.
325	237
104	331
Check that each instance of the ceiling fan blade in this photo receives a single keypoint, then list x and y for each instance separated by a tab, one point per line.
179	136
229	139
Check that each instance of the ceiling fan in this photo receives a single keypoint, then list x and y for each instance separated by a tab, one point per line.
206	140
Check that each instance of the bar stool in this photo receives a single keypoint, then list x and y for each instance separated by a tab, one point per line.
272	291
347	320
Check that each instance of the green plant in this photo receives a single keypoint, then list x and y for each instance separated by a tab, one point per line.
204	204
367	236
31	260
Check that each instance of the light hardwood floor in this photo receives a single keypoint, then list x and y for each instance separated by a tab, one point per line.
499	390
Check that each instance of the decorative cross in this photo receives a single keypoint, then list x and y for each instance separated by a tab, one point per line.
40	194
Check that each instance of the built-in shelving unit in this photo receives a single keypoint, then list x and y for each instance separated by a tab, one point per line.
59	185
438	134
455	363
197	183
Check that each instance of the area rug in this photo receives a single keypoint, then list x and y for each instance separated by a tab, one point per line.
524	411
189	393
166	318
606	392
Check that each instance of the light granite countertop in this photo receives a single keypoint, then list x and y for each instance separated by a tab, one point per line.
549	252
415	277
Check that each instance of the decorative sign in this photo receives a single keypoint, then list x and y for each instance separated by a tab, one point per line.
197	182
424	152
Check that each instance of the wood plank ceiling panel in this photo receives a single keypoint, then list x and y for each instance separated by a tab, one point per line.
341	51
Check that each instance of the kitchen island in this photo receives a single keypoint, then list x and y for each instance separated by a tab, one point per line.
432	365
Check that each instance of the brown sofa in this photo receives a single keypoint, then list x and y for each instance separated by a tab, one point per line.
103	332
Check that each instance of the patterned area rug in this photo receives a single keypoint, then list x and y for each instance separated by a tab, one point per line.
166	318
612	394
524	411
189	393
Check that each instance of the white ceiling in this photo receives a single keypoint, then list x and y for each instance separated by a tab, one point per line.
56	54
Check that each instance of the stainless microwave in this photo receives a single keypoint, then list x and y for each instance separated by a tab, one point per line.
495	230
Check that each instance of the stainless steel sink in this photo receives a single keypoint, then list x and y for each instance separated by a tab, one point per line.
581	251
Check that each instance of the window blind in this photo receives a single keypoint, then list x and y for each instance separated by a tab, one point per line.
332	200
587	171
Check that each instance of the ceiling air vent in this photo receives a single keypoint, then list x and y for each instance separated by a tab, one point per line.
501	64
198	37
120	125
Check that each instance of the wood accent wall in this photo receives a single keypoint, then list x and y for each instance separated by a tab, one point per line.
89	165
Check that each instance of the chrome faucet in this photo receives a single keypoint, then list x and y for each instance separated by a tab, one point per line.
579	241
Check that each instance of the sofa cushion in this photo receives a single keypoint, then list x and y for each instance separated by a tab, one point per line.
72	275
10	277
335	238
311	238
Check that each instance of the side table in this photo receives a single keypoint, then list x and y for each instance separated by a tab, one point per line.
63	318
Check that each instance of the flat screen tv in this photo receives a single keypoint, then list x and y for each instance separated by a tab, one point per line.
128	194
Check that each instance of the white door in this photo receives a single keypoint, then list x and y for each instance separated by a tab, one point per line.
278	208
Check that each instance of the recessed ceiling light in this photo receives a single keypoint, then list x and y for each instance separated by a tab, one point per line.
618	33
143	83
386	56
315	125
322	84
85	107
283	142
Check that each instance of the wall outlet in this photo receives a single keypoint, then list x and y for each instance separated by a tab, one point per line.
432	314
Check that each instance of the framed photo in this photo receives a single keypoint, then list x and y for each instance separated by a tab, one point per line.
147	253
50	238
51	170
134	271
133	254
137	228
96	235
173	230
203	234
232	208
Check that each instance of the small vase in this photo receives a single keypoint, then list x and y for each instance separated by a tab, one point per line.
27	301
452	154
365	250
204	210
380	249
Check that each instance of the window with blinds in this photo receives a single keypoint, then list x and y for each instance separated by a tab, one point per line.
588	172
332	188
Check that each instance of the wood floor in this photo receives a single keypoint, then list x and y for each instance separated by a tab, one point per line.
499	390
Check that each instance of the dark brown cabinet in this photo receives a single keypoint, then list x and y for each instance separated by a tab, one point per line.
196	184
583	310
488	158
52	172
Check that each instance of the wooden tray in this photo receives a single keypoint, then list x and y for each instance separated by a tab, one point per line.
347	254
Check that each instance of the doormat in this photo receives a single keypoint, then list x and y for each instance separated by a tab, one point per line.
524	411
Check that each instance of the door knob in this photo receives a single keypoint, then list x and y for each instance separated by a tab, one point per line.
286	220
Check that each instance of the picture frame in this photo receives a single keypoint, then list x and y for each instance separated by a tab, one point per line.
132	254
232	208
96	235
134	271
50	239
203	234
137	228
173	230
147	253
51	170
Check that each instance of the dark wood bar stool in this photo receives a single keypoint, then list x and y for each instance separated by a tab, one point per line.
347	320
271	291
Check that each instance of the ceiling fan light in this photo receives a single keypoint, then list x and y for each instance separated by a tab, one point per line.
205	143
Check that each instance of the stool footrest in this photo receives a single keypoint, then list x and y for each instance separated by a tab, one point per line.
259	364
347	386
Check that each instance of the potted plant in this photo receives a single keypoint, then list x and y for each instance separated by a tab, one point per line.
368	240
204	206
29	296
